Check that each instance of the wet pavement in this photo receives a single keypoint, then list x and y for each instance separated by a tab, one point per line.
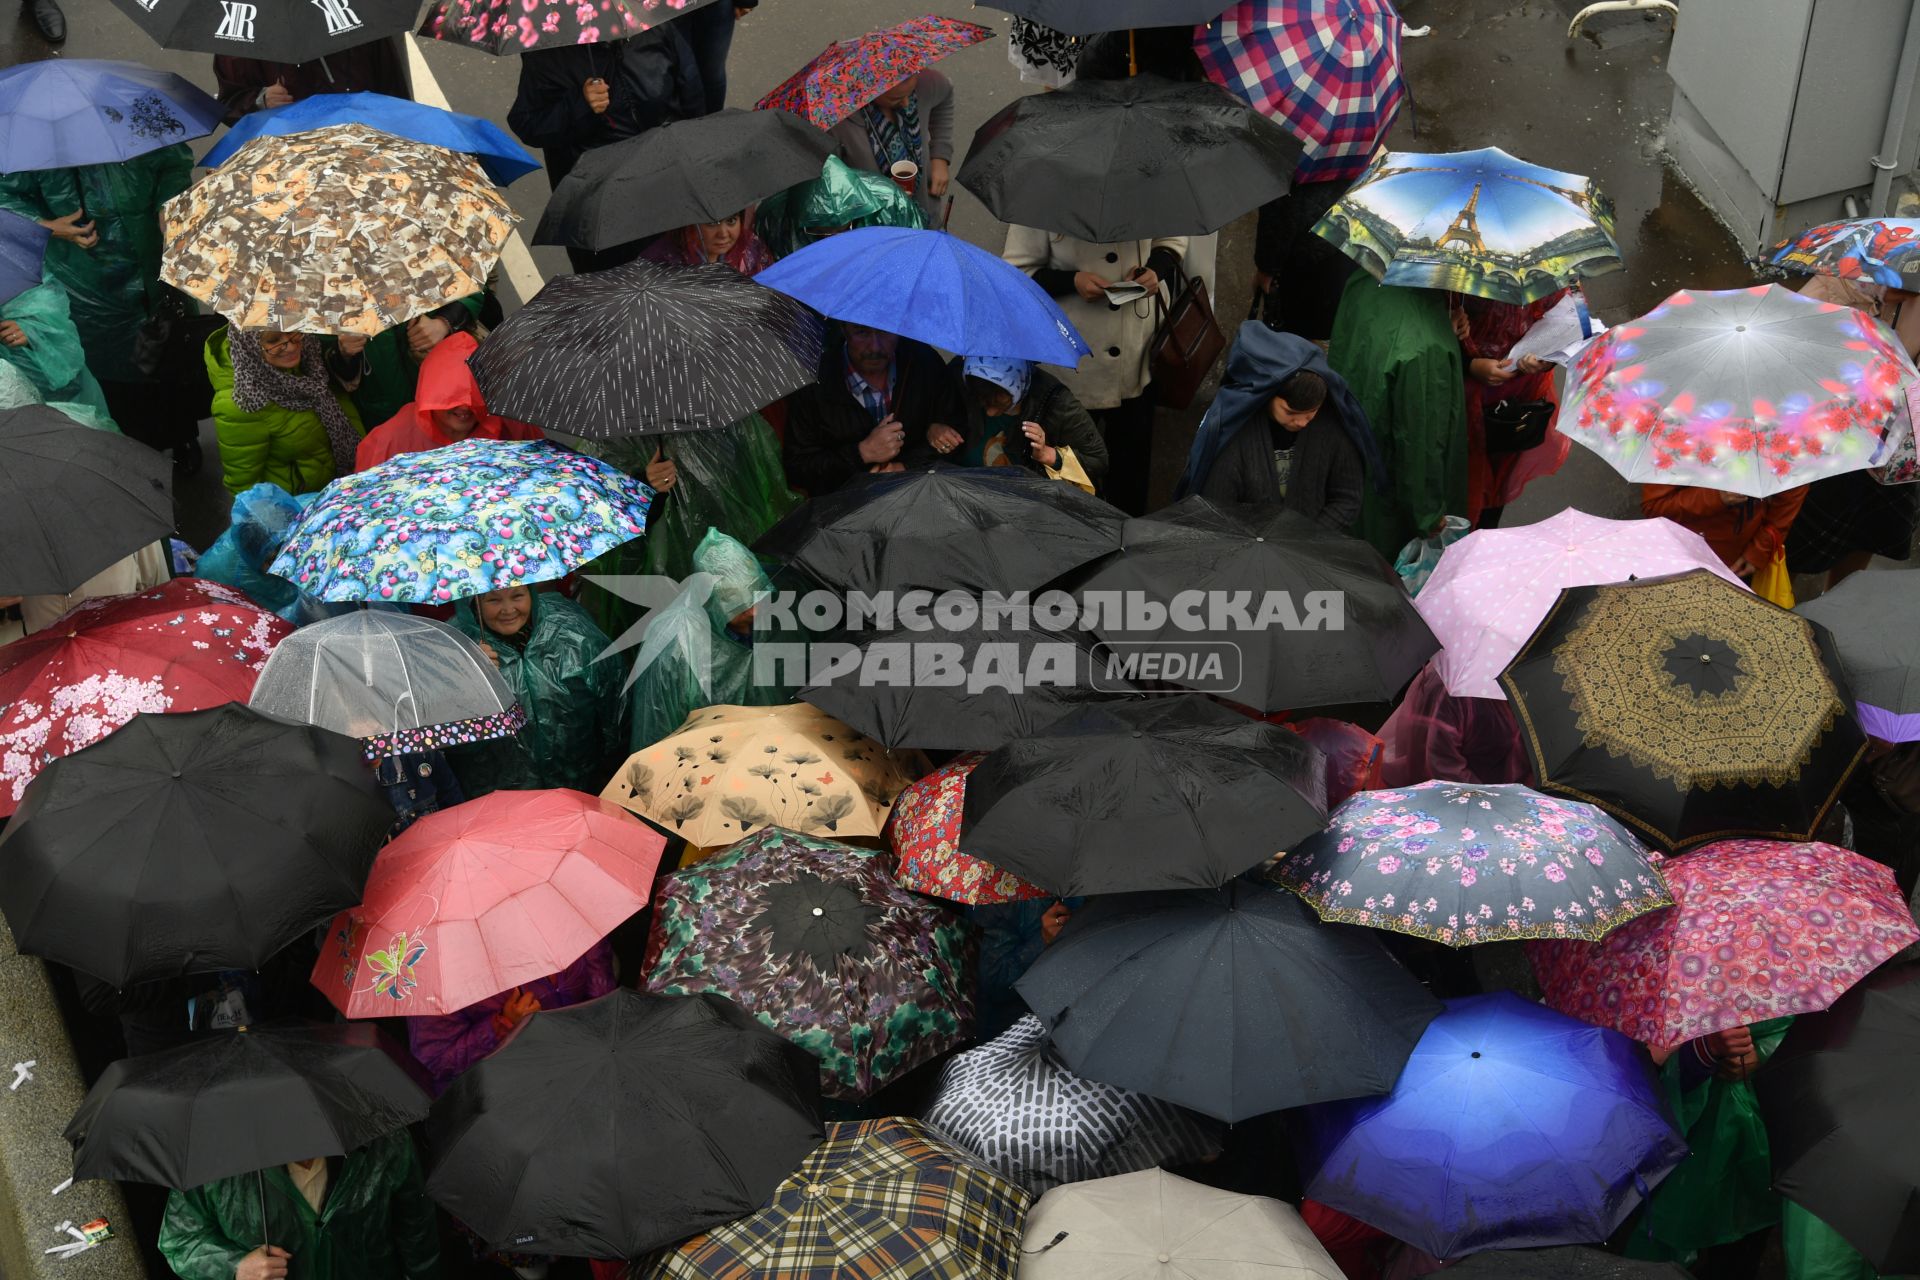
1491	73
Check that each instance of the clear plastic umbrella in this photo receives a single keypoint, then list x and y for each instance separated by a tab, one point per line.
397	682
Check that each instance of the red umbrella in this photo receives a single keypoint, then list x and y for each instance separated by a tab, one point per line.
1759	929
848	74
924	830
185	646
484	897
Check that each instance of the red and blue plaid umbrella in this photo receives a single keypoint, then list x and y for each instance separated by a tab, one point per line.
1327	69
848	74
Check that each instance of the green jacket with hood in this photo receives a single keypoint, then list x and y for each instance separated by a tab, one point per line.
276	445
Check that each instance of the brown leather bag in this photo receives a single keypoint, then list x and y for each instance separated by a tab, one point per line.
1186	343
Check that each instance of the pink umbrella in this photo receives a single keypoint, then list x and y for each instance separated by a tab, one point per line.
1493	587
484	897
1759	929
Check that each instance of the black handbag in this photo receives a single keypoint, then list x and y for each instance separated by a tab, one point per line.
168	344
1514	426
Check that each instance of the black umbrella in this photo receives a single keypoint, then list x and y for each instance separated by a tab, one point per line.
642	348
1874	619
73	500
1110	160
1232	1002
682	173
623	1124
269	30
1687	707
1303	616
1161	793
1571	1262
1086	17
971	688
240	1101
976	529
188	843
1834	1096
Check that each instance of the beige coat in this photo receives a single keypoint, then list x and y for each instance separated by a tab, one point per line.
1867	297
1117	370
146	568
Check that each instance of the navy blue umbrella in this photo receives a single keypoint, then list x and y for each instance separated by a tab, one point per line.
1512	1126
63	112
502	157
931	286
23	246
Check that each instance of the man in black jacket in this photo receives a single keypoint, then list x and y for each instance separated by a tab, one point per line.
579	96
877	397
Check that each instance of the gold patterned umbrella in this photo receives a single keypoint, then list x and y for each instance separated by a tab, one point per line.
341	230
729	771
1688	707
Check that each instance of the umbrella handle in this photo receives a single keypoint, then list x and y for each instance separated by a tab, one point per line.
1133	55
260	1181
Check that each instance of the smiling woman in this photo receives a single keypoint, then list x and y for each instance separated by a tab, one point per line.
280	416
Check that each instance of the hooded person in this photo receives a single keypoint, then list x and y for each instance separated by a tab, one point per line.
1020	416
39	343
548	650
840	199
1284	429
447	408
730	240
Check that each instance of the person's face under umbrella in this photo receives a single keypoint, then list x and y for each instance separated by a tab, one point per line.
870	350
717	239
505	613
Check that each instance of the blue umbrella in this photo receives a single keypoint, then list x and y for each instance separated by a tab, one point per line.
64	112
502	157
1511	1127
23	244
931	286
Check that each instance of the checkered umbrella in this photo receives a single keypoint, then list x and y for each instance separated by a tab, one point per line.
1327	69
882	1200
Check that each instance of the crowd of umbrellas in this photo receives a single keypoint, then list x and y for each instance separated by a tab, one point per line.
184	774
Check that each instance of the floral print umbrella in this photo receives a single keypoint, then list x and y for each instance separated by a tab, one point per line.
732	770
1748	390
184	646
1878	250
1461	864
1759	929
848	74
341	230
879	1200
515	26
460	521
816	940
924	832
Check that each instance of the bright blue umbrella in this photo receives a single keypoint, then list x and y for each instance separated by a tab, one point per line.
63	112
502	157
931	286
23	245
1511	1127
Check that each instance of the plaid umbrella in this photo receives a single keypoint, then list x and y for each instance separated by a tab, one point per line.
341	230
1879	250
816	940
1461	864
1759	929
515	26
848	74
460	521
924	831
1327	69
881	1200
1015	1105
1747	390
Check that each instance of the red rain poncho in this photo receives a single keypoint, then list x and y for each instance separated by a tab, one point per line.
445	383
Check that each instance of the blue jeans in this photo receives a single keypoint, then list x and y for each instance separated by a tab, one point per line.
709	29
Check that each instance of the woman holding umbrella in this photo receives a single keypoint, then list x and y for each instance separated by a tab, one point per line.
910	123
1018	415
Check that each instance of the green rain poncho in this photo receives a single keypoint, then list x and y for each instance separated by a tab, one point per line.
1397	351
53	364
840	199
376	1222
112	286
572	700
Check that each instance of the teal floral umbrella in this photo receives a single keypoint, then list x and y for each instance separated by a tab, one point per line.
459	521
817	941
1479	222
1461	864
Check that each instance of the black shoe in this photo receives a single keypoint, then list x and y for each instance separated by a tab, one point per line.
47	17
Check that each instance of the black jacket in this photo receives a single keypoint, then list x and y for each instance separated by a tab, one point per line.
825	423
1067	423
652	80
1326	484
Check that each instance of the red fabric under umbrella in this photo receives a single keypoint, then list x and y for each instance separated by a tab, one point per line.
184	646
484	897
848	74
1759	929
924	830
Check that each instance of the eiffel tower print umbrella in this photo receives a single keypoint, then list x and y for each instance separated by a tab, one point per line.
1479	222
